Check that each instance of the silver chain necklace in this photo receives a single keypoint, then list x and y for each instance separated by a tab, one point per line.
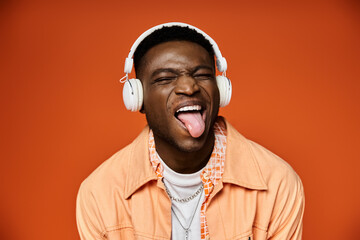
187	230
187	199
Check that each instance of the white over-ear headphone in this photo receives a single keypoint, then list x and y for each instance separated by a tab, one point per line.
133	91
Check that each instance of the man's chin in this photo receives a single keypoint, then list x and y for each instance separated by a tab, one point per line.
190	144
189	148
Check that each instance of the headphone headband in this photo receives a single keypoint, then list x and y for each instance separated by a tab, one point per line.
221	63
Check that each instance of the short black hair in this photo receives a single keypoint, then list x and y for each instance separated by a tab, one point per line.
167	34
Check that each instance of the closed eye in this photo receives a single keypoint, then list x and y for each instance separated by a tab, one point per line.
164	80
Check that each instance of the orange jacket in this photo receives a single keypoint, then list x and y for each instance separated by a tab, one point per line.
260	196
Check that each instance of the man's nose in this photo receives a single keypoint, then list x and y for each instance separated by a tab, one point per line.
186	85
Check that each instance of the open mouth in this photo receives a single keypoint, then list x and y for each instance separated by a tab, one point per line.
192	118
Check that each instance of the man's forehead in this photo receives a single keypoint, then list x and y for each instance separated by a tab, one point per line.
172	54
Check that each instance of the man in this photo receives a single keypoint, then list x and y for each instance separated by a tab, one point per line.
189	174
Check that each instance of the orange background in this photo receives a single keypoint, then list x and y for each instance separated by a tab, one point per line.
295	73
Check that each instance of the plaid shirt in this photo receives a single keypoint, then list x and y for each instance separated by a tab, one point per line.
211	174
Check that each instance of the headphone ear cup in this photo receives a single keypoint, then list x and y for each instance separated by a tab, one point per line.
133	94
225	90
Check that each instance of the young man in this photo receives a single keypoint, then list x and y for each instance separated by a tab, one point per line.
189	174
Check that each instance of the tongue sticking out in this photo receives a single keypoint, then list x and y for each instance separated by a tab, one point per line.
193	122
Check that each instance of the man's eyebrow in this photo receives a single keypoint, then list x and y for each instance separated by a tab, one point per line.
161	70
201	67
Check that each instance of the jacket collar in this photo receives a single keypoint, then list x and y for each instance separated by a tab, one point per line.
139	169
241	167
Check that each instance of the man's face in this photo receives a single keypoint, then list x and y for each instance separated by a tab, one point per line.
181	98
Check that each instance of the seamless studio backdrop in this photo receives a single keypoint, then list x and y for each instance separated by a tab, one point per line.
295	73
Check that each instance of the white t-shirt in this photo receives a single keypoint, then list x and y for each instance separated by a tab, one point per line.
183	186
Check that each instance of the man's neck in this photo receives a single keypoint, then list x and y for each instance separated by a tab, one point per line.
184	162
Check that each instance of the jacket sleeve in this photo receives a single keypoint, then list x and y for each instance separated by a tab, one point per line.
288	214
88	218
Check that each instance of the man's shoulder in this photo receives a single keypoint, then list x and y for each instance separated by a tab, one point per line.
271	169
110	171
271	165
113	172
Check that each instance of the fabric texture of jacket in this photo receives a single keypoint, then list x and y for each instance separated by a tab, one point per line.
260	196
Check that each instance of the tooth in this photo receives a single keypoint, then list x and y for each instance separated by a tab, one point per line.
189	108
